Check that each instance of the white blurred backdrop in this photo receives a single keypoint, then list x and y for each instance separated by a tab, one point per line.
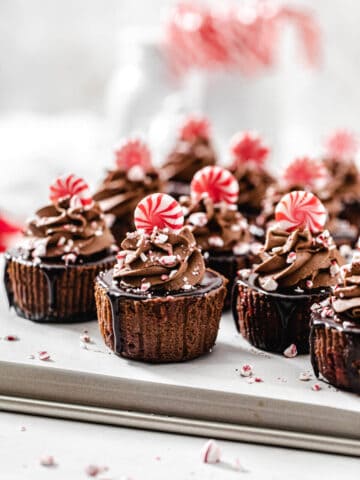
77	74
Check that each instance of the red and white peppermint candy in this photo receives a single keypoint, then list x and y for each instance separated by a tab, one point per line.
133	153
300	209
70	186
248	147
306	172
216	183
195	127
158	211
342	144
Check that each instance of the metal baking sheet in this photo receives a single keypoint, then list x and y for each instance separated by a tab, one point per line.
206	396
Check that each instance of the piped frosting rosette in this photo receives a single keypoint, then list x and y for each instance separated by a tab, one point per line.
192	152
72	226
298	252
211	212
133	178
161	254
346	298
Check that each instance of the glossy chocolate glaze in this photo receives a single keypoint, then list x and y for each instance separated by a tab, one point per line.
351	330
51	271
115	293
286	302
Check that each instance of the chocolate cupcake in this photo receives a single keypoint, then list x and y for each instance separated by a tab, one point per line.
248	167
335	332
192	152
159	303
50	276
300	263
308	174
342	193
220	230
133	178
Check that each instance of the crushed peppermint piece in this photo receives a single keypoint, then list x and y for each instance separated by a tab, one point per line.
327	312
47	461
216	241
270	284
305	376
145	286
198	219
11	338
44	356
298	290
254	380
316	387
164	277
291	257
334	268
210	452
162	238
173	273
256	248
143	257
85	337
187	286
246	370
309	284
244	273
241	248
290	351
168	260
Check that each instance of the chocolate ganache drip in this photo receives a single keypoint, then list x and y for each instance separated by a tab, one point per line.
162	260
298	259
347	294
66	230
216	227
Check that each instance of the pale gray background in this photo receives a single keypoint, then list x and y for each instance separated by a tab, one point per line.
65	96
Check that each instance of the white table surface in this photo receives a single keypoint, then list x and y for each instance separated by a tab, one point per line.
136	455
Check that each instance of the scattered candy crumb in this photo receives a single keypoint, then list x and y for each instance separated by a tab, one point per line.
44	356
85	337
210	452
94	470
290	351
305	376
254	380
47	461
246	370
22	428
11	338
316	387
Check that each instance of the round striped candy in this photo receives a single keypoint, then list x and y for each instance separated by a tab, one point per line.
158	211
215	182
133	153
300	209
70	186
248	147
195	127
306	172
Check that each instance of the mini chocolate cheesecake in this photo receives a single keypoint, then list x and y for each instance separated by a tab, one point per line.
192	152
123	187
248	167
335	333
272	301
50	276
159	303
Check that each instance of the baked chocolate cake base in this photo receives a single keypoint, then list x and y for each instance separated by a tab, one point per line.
272	321
228	265
53	292
168	327
335	351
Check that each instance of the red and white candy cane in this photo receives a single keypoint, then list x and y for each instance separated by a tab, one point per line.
216	183
195	127
248	147
70	186
300	209
133	153
158	210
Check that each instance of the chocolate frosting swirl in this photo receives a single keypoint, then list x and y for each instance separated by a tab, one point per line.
160	261
215	227
188	157
345	181
121	191
253	181
67	230
347	295
298	259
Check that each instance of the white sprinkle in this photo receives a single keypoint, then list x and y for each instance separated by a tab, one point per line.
304	376
241	248
162	238
145	286
198	219
216	241
136	174
143	257
270	284
291	257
